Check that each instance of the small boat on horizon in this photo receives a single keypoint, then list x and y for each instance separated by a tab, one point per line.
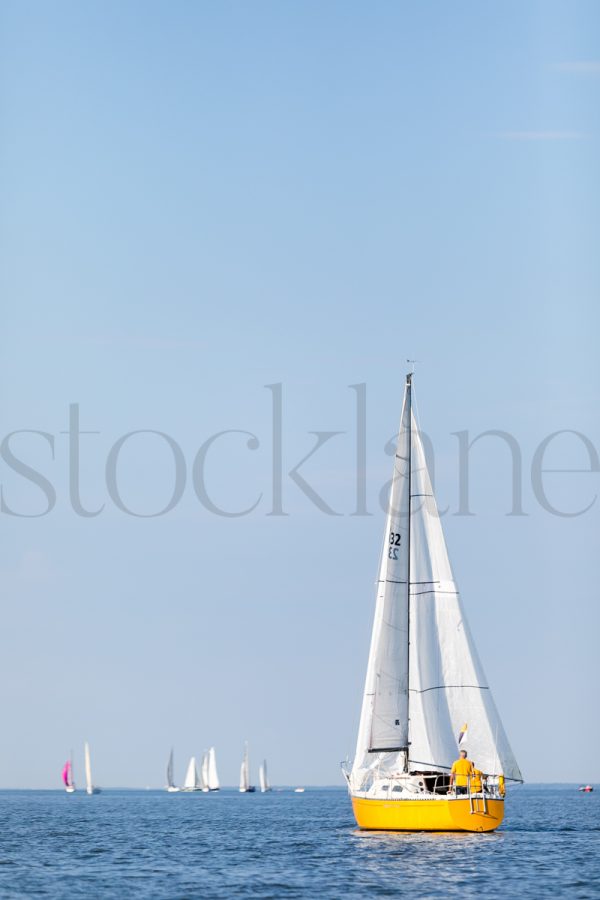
192	779
586	788
210	777
171	786
67	777
89	785
245	786
424	678
298	790
263	778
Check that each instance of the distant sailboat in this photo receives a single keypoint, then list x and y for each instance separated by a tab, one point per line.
192	779
245	786
212	777
67	777
263	779
171	787
89	786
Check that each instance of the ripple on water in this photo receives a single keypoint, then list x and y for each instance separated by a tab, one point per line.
154	845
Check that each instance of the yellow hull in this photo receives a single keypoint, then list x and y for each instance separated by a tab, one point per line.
427	815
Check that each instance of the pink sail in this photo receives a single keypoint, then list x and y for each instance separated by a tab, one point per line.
66	773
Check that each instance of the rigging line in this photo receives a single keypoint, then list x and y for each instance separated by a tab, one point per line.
496	754
408	541
417	416
444	687
419	762
433	591
390	581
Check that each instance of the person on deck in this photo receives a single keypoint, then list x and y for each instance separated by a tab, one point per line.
460	773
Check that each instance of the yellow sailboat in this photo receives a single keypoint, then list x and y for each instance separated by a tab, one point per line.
426	695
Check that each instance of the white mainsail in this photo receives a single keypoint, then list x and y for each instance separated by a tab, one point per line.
192	781
213	778
263	779
384	720
89	785
424	678
204	779
245	771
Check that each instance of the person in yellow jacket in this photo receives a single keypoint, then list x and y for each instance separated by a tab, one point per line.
476	783
461	771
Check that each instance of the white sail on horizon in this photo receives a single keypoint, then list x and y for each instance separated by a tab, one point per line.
204	765
170	769
245	771
213	777
89	786
263	779
418	693
192	781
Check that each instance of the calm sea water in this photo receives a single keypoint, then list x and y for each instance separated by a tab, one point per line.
150	844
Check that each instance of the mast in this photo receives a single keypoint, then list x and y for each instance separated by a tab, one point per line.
408	527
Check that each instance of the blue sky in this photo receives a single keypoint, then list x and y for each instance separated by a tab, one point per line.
201	199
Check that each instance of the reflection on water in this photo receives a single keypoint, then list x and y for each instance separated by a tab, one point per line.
434	862
460	836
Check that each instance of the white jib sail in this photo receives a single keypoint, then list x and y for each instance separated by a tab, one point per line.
170	782
419	694
88	769
191	782
213	778
263	778
204	779
245	771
